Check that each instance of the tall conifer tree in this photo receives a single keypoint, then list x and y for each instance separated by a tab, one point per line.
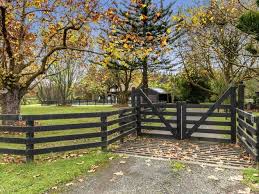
141	37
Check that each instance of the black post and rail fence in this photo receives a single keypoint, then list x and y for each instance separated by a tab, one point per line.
225	121
111	127
247	129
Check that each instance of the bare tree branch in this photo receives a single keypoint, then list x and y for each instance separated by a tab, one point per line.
6	39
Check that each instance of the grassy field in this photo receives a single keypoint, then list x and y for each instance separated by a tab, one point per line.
52	169
251	178
41	177
38	109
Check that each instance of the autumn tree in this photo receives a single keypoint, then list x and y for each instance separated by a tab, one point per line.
140	37
187	91
96	82
213	43
249	23
61	78
32	33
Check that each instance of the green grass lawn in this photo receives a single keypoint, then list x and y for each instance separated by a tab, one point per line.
51	170
251	178
38	109
41	177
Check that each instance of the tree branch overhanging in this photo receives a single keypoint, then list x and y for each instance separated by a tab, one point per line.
6	38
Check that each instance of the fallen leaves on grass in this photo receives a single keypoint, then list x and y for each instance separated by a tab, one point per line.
69	184
111	158
93	169
67	155
122	162
80	163
7	159
35	176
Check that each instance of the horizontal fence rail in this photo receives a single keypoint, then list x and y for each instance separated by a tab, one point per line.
221	121
216	127
151	123
183	116
109	127
248	132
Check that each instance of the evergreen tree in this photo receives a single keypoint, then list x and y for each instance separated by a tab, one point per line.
249	23
140	37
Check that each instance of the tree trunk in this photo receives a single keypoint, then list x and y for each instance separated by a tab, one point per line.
10	102
123	97
145	76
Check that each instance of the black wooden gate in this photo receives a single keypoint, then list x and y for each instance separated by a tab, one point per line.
158	111
222	118
209	122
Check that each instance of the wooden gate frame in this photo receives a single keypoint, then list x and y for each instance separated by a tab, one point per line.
140	93
182	132
230	92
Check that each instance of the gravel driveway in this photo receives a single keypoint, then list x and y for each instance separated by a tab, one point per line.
143	175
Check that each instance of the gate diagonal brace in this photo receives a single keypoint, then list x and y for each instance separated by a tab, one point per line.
210	111
157	112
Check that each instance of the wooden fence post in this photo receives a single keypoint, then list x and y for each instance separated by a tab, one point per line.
184	127
133	97
138	109
133	102
233	102
104	137
29	144
179	119
120	124
257	138
241	96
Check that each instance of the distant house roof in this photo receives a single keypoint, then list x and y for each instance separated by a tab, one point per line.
159	90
